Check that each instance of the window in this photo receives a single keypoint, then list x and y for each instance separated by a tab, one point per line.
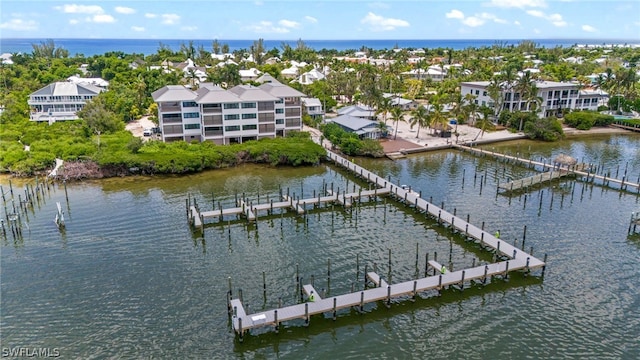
193	115
594	101
249	127
232	117
191	126
279	121
248	116
484	93
565	93
189	104
279	111
232	128
477	92
211	106
231	106
248	105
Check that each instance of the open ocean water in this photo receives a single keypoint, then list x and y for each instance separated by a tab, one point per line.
90	47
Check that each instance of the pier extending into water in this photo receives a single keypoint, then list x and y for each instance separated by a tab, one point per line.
560	170
512	259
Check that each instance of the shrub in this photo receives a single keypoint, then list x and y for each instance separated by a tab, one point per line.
585	120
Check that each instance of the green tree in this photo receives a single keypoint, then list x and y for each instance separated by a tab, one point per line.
98	118
397	116
419	117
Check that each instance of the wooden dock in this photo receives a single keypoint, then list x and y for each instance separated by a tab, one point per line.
250	211
578	169
527	182
515	260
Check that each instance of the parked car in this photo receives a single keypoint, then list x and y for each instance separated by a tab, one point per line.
147	132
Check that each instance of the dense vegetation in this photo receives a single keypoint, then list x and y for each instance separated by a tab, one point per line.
547	129
349	143
120	152
585	120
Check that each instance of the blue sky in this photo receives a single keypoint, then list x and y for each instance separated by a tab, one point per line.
321	19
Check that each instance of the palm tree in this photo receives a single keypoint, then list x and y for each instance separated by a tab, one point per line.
420	117
384	106
470	107
438	119
396	116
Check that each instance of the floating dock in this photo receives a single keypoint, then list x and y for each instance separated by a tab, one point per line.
514	259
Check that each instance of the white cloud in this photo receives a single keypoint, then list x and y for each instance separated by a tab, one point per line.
151	15
103	18
516	23
311	19
19	25
137	28
537	31
74	21
289	23
266	27
517	3
80	9
589	28
380	23
170	19
475	20
189	28
454	14
536	13
379	5
125	10
472	21
555	19
491	17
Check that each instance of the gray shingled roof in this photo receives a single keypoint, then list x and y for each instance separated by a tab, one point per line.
358	111
213	94
252	93
280	90
354	123
173	93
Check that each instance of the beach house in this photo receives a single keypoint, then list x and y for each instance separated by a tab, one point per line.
554	97
60	101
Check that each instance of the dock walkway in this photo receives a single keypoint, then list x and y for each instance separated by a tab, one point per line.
251	211
516	260
578	169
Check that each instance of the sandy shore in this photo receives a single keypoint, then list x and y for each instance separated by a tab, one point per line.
410	140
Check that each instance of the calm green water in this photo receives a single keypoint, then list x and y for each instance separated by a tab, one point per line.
128	279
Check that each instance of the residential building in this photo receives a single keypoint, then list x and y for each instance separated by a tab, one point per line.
60	101
364	128
313	108
249	74
554	96
361	111
239	114
404	104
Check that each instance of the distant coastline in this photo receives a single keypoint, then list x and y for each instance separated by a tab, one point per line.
90	47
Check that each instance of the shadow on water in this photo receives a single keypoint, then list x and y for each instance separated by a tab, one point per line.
296	330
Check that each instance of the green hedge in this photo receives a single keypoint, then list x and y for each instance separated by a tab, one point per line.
585	120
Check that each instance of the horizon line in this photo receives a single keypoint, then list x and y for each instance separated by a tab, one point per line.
407	39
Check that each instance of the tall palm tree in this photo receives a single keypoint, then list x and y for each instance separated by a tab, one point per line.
384	106
420	117
470	107
396	116
438	118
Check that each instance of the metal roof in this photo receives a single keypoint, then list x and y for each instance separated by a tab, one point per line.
173	93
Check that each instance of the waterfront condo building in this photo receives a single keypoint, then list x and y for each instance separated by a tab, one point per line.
60	101
554	97
239	114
